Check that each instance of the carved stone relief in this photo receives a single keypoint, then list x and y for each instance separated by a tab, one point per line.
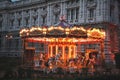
44	12
56	9
12	16
91	4
26	14
35	13
19	15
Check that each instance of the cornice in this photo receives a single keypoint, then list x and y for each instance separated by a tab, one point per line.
28	3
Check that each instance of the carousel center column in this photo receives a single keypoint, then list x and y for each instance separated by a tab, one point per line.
69	54
63	52
50	49
74	55
56	47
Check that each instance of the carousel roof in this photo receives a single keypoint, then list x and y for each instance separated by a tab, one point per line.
63	29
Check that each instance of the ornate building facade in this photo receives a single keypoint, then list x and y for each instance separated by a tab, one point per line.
14	16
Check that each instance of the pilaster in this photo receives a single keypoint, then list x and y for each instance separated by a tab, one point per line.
30	22
48	15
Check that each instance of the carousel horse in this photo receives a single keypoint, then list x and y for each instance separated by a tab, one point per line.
51	61
71	62
57	58
54	60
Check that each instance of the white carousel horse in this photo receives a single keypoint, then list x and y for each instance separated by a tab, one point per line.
57	58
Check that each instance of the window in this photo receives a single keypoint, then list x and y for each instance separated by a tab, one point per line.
19	22
77	13
9	43
56	18
34	20
77	1
17	43
43	20
112	12
35	10
72	14
91	13
0	23
0	42
68	14
12	23
90	0
26	20
0	20
119	18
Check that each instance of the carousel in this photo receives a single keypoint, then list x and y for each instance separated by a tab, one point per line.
61	46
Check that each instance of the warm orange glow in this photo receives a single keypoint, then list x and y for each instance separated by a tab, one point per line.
62	45
64	40
23	31
44	30
96	33
51	51
67	31
63	52
50	28
69	53
35	28
56	49
78	28
74	55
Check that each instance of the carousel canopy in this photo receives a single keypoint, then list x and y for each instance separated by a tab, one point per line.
58	31
62	30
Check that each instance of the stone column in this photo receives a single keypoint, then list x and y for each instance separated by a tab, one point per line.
70	15
107	9
81	12
64	10
61	6
22	20
107	48
48	14
30	22
116	12
75	15
15	25
84	11
38	16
